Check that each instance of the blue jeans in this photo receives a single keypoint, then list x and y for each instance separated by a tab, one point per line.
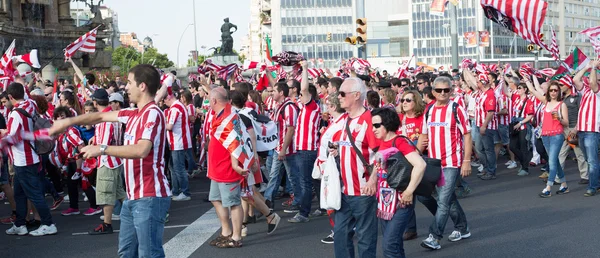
553	144
477	142
275	175
393	244
588	142
448	206
189	160
142	227
359	212
490	152
305	161
28	186
179	177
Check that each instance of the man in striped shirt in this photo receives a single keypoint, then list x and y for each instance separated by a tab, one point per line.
306	143
180	143
449	140
109	186
143	213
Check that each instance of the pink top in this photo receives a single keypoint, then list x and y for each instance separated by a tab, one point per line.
551	126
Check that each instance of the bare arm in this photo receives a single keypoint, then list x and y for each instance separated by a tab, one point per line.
535	92
60	126
304	94
578	79
564	115
421	142
593	79
470	79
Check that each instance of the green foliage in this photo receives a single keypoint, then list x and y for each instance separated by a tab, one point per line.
127	57
190	62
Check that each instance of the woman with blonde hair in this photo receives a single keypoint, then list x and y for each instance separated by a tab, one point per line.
389	98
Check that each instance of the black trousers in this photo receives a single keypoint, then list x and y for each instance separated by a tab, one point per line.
73	188
520	147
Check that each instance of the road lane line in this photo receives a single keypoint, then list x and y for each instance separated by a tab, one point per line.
116	230
192	237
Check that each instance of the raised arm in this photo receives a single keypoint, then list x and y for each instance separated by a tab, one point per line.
470	79
593	81
578	79
534	91
304	93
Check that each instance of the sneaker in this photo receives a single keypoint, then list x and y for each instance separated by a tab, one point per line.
273	223
263	187
480	174
480	168
512	165
244	230
508	163
298	219
66	198
2	196
328	239
85	199
181	197
545	194
457	236
91	211
114	217
475	163
431	243
488	177
589	193
544	169
544	175
70	211
44	230
502	151
167	218
14	230
76	176
318	213
584	181
522	173
292	209
102	229
57	203
9	220
33	224
462	192
289	201
409	236
563	190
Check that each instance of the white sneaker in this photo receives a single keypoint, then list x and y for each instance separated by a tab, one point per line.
14	230
44	230
66	198
181	197
512	165
508	163
114	217
480	168
85	199
244	231
457	236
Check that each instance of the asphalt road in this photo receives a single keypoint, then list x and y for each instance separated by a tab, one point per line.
506	218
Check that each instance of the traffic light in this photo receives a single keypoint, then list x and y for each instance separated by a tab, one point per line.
351	40
328	36
530	47
361	30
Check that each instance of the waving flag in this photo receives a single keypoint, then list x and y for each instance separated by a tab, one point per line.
7	69
523	17
548	72
575	62
403	69
594	36
225	71
230	132
85	43
553	48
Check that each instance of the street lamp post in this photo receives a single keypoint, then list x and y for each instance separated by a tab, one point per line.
195	37
179	44
454	35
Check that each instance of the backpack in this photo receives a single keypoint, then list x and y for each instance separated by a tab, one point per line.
42	147
266	130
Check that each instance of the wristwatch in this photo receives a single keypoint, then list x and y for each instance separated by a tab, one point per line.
103	149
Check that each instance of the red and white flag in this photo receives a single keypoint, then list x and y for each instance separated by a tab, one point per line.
314	72
208	64
250	64
548	72
85	43
7	69
225	71
594	36
553	48
228	131
524	17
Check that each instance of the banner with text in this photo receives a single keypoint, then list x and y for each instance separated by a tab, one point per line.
471	39
484	38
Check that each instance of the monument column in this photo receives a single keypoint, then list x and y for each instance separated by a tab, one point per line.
64	15
52	14
16	13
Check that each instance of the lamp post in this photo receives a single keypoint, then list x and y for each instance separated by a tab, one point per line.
179	44
195	37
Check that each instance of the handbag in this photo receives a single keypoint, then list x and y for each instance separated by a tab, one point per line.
368	166
515	121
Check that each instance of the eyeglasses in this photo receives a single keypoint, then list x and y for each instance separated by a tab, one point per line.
403	85
343	93
377	125
520	88
553	90
407	100
419	83
445	90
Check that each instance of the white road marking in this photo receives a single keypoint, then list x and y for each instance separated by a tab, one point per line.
192	237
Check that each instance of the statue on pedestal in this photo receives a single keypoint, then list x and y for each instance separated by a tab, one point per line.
226	39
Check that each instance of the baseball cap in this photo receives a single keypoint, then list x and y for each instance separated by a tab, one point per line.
116	97
100	94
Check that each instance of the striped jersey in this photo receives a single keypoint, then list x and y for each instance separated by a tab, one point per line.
487	103
588	120
521	108
445	134
4	112
307	129
22	153
109	133
504	103
285	116
145	177
179	137
67	143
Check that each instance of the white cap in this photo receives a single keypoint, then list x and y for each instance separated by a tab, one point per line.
116	97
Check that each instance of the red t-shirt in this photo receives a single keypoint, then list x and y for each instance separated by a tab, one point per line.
401	144
410	127
219	162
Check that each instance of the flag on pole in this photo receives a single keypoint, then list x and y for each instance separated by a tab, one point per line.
553	48
85	43
575	62
594	36
269	51
7	69
523	17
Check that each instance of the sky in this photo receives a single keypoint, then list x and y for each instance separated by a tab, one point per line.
169	19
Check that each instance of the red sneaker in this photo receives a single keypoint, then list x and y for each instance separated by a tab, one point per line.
70	211
9	220
57	203
91	211
289	201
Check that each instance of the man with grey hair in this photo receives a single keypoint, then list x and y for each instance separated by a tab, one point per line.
359	205
446	130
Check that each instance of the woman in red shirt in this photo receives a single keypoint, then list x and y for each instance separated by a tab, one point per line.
394	208
412	108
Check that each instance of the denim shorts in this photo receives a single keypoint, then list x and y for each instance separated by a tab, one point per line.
229	194
503	134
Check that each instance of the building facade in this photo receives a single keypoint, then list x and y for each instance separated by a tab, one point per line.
130	39
569	17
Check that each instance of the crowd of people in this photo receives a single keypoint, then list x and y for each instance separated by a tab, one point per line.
131	147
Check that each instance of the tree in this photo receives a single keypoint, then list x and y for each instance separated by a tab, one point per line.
127	57
190	62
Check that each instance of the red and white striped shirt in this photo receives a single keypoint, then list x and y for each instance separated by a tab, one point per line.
504	103
270	105
67	144
284	119
179	137
352	169
445	134
487	103
525	105
22	153
589	110
306	134
460	101
145	177
108	133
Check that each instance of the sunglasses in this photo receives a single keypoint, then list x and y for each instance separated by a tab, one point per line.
48	94
553	90
403	85
419	83
377	125
343	93
446	90
520	88
407	100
